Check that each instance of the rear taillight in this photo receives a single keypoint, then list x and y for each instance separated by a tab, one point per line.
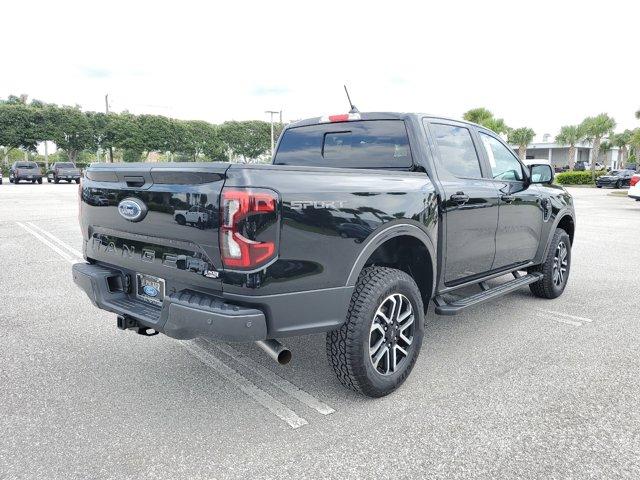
248	227
634	180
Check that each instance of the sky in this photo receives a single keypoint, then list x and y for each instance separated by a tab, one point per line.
540	64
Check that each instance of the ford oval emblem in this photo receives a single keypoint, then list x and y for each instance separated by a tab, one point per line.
150	291
132	209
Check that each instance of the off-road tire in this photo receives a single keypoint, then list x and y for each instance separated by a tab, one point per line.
348	347
545	287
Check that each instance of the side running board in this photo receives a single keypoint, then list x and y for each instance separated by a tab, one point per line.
444	307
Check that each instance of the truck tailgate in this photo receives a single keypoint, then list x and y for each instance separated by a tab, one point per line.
155	219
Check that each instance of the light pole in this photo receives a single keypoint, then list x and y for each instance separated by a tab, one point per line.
272	113
106	109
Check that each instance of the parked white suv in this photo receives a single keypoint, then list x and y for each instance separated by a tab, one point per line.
634	187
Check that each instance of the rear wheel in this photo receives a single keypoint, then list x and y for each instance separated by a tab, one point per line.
16	180
376	348
617	185
40	181
77	180
555	269
181	220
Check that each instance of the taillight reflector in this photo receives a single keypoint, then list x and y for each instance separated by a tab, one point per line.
634	180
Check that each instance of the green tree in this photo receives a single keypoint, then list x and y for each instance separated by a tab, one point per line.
202	139
70	129
157	133
484	117
595	129
18	128
634	141
249	139
101	133
522	137
622	140
126	134
571	135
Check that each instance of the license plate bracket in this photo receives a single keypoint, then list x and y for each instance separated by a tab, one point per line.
149	288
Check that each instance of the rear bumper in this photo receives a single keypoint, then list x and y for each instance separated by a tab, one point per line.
28	177
66	176
183	315
231	317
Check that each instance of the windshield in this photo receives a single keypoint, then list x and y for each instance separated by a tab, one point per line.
65	165
27	166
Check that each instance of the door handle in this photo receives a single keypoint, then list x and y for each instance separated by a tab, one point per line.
507	198
459	197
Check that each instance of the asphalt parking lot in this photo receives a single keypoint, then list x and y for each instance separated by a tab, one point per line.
519	388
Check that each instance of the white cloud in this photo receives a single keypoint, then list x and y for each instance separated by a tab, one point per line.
536	63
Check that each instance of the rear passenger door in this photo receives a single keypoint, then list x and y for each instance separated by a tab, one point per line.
470	203
521	212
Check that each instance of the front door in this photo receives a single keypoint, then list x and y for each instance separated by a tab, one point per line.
521	206
470	206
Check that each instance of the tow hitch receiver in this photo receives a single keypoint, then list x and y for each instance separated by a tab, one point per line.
128	323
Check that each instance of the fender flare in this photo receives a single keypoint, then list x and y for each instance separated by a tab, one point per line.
565	212
386	233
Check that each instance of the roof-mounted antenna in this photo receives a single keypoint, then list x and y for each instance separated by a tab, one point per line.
353	107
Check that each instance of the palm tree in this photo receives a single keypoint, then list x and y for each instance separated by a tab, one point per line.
622	140
595	129
484	117
522	137
634	141
570	135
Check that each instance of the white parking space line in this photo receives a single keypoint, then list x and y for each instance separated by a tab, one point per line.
246	386
57	240
274	379
53	247
566	315
561	317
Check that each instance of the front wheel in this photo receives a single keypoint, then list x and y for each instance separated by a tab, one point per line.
40	181
376	348
555	269
617	185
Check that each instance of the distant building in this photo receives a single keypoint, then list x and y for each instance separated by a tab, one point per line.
558	154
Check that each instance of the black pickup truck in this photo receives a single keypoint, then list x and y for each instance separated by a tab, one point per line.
360	222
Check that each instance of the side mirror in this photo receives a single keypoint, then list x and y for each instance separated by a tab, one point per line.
542	173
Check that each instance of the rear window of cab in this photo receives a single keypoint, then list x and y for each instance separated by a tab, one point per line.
355	144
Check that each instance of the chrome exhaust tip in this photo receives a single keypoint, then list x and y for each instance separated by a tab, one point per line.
275	350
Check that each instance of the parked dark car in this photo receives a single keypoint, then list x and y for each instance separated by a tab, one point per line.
28	171
66	171
615	179
360	224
